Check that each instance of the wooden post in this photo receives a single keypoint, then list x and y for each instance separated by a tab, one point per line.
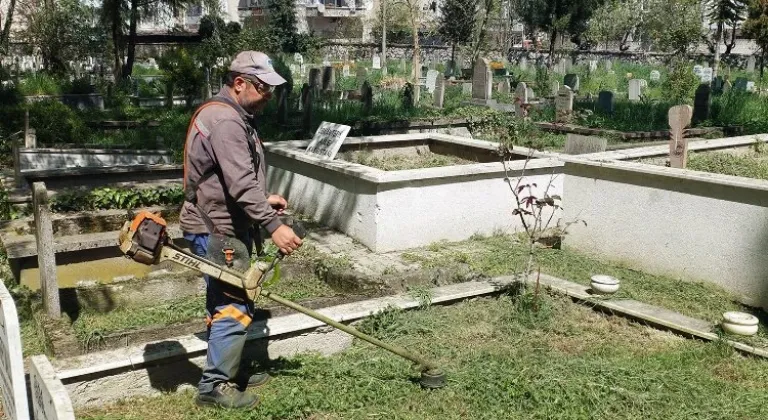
30	139
679	118
16	160
46	256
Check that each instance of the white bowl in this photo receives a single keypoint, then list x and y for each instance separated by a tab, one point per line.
603	284
740	323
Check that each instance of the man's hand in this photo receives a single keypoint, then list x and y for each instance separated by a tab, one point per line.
278	203
285	238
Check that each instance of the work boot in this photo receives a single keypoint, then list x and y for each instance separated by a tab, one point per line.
226	395
253	381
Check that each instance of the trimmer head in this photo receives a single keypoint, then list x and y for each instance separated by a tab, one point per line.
432	379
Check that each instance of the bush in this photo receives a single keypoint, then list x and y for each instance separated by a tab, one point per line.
680	85
39	84
115	198
55	123
79	86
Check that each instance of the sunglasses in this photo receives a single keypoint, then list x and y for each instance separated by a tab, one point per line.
262	87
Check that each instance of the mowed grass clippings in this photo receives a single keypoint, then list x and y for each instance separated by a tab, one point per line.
504	361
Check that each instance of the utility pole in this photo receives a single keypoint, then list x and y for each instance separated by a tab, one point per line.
384	37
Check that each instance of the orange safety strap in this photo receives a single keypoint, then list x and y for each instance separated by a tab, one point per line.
189	131
231	312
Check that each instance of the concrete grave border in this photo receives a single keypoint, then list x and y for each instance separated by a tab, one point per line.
50	400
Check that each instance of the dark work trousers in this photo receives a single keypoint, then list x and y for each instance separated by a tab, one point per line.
228	314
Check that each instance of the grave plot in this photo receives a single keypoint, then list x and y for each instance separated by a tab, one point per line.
398	209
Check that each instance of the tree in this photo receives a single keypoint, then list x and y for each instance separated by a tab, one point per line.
615	21
181	69
457	23
557	18
485	11
723	12
674	25
61	31
5	31
756	27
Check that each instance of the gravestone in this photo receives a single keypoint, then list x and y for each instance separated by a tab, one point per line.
605	101
751	62
564	105
523	64
306	108
329	78
697	70
13	385
282	104
572	81
592	65
327	140
504	87
50	400
466	88
679	119
750	86
439	95
655	76
531	94
521	99
562	66
408	96
366	93
403	65
635	89
701	104
298	59
362	75
315	79
608	65
432	76
717	85
706	75
326	61
576	144
740	84
345	71
376	62
555	88
305	89
481	81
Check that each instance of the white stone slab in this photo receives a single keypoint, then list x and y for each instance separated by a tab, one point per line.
376	62
328	139
12	383
432	80
50	400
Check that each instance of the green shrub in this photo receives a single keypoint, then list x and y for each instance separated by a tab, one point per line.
680	85
40	84
79	86
115	198
56	123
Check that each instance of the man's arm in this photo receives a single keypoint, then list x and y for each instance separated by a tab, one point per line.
230	148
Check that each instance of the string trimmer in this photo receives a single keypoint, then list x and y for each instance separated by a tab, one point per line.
146	240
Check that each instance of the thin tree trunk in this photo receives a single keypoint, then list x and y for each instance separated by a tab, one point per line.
6	33
552	39
453	59
117	46
718	35
128	70
416	62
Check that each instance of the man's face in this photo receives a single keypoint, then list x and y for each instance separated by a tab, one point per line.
252	94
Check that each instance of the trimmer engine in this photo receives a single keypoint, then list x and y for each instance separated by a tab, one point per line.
142	240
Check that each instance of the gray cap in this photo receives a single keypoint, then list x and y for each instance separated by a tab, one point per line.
254	63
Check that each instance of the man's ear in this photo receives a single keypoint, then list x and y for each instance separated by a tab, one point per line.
240	84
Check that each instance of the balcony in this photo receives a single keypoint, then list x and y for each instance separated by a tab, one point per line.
333	8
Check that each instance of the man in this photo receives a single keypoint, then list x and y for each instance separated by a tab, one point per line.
224	177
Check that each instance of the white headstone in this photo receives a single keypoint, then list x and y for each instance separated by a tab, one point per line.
555	87
592	65
655	76
531	94
563	104
13	385
750	86
635	89
466	88
345	70
697	69
50	400
751	64
326	62
328	139
504	87
298	58
432	76
376	62
706	75
523	63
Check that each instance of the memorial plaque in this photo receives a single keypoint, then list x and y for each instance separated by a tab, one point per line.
328	139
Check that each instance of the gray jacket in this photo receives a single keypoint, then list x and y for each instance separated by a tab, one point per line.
225	157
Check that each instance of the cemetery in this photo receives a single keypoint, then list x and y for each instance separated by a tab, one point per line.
564	232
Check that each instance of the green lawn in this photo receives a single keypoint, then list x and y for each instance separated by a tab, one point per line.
504	362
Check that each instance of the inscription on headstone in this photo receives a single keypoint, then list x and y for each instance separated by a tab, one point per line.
564	105
13	386
576	144
697	70
706	75
679	119
328	139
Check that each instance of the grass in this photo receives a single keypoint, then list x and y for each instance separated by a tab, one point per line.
504	361
750	165
399	162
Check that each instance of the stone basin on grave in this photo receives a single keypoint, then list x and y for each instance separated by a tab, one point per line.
401	209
